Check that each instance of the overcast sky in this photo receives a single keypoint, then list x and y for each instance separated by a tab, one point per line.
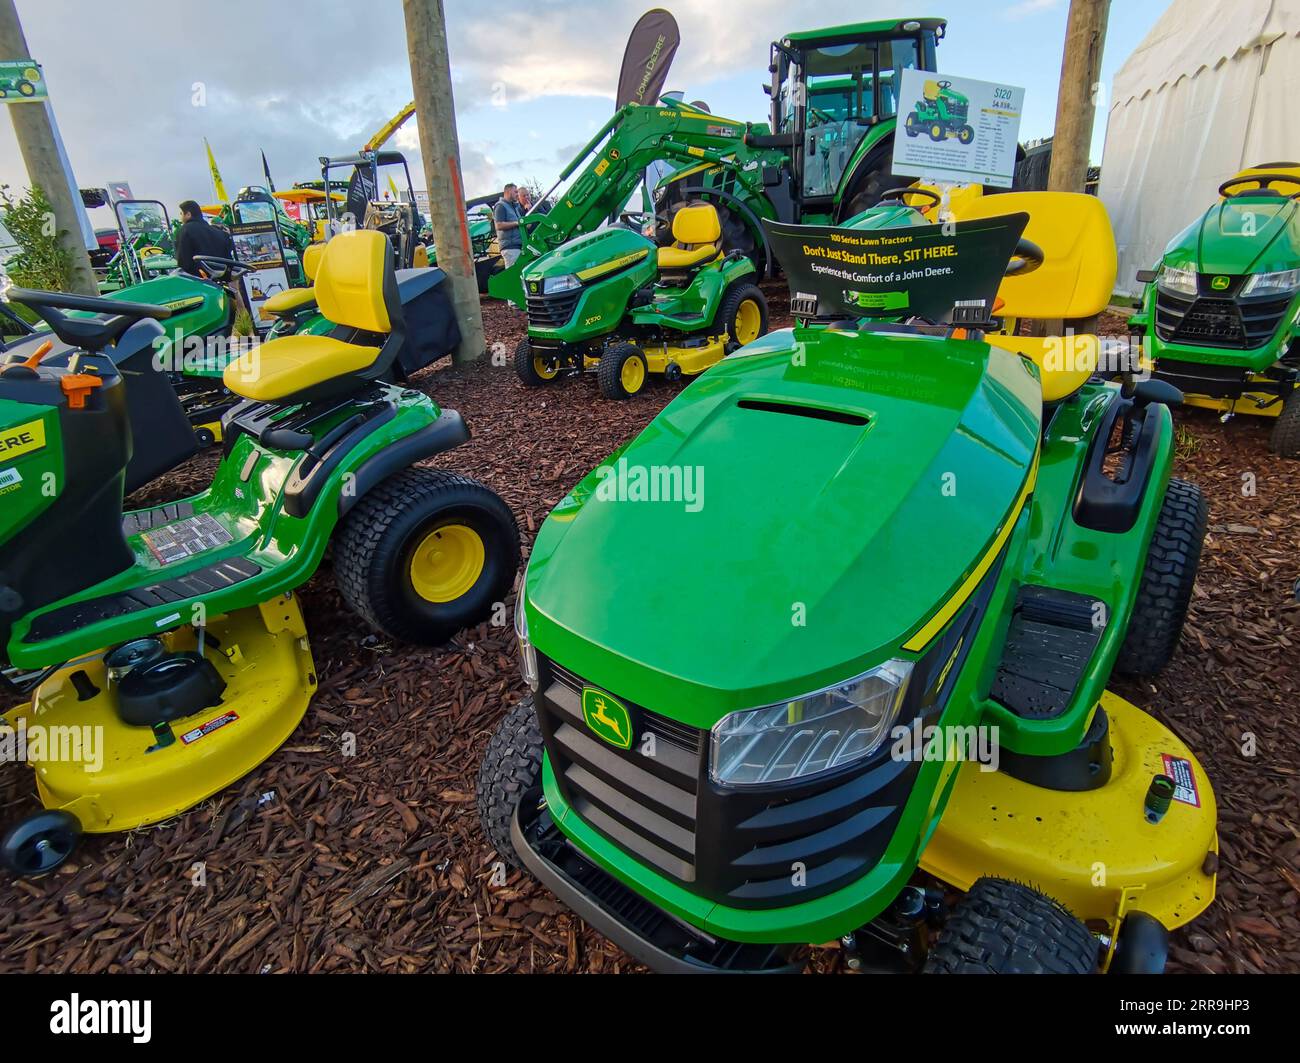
532	80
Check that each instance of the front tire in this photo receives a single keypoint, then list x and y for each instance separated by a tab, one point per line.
1167	578
511	768
530	368
1286	432
622	371
425	554
743	313
966	134
1002	927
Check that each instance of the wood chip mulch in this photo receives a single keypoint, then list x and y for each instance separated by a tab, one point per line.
319	861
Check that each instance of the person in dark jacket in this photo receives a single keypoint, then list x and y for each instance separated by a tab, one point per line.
197	237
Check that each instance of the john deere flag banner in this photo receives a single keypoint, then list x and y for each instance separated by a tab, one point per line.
650	50
21	81
921	271
957	130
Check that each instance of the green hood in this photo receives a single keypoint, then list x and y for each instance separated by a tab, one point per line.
863	528
1222	240
591	256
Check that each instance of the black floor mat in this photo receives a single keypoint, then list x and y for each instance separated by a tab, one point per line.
1049	644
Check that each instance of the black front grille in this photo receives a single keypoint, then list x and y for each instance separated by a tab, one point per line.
746	847
1203	321
552	311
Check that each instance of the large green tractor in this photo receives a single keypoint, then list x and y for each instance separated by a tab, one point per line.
824	156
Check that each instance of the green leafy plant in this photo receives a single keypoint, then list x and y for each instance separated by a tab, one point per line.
39	262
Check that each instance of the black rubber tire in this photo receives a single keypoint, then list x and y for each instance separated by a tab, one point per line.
610	371
966	134
511	767
39	843
737	292
1003	927
909	125
372	553
1286	432
937	128
524	368
1167	578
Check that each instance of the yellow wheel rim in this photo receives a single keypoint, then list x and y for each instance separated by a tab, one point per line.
632	375
447	563
546	372
749	319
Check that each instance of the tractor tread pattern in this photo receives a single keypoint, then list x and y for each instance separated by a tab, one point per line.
1003	927
609	374
524	368
512	765
1286	432
1167	577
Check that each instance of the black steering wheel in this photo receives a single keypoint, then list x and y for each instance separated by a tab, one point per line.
89	333
1026	258
1261	182
220	269
898	194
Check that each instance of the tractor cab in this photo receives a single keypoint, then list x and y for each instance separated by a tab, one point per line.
370	206
834	103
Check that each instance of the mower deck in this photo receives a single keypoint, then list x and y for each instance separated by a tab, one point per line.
261	653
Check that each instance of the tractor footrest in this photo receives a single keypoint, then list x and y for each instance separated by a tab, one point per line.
145	519
1051	640
176	591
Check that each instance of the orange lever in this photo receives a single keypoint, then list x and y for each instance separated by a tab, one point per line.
38	354
77	386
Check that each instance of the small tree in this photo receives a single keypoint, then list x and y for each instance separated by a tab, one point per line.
39	262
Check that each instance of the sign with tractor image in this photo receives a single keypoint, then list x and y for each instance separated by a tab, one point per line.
958	130
21	81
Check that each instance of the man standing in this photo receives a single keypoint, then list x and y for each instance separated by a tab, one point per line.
197	237
506	215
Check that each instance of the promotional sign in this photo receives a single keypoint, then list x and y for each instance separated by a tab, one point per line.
650	49
257	244
957	130
921	271
118	190
21	81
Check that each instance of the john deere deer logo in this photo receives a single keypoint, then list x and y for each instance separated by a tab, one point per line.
607	718
1220	284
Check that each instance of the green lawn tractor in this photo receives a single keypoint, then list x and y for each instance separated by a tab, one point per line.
1220	315
168	658
942	112
614	303
906	538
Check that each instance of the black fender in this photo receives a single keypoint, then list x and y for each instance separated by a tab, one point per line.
446	433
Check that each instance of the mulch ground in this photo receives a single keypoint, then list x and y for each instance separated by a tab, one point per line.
319	861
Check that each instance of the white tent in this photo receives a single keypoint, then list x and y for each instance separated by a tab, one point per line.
1214	88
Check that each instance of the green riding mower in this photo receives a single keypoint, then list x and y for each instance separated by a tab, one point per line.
919	537
613	302
942	112
171	658
1220	315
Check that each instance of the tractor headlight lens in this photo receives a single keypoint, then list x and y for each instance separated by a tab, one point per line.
527	655
1173	279
1280	283
555	285
806	736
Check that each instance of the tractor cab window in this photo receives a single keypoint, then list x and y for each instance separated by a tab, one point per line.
895	57
840	89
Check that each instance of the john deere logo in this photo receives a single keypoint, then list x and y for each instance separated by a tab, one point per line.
1220	284
607	718
532	286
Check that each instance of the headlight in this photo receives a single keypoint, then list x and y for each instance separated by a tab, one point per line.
1172	279
527	655
1281	283
555	285
809	735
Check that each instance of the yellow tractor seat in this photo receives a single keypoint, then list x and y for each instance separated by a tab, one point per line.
356	289
1077	276
697	238
1064	362
285	303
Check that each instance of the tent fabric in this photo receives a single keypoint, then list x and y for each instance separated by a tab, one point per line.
1208	92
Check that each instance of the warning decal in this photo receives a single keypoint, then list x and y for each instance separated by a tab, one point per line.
1180	770
214	724
185	538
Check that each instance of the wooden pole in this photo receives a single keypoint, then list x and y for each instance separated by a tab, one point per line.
1076	101
435	114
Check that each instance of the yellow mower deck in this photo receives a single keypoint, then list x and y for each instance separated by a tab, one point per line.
1093	851
264	657
692	360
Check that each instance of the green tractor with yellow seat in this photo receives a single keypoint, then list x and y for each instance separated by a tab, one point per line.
942	112
614	303
176	646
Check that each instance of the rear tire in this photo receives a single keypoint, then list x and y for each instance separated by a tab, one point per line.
512	766
618	374
730	309
1286	433
1167	578
1003	927
389	542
